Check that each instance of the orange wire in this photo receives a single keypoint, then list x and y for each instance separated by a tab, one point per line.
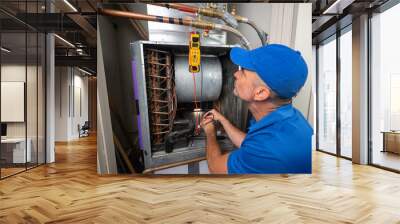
196	129
194	91
196	106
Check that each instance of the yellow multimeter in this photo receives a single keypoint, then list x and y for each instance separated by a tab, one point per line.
194	52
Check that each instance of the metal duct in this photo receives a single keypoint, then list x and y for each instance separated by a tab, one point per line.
208	80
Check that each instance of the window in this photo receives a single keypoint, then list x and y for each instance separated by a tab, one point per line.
346	93
22	77
327	97
385	89
333	137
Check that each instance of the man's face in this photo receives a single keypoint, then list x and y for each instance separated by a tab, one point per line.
244	84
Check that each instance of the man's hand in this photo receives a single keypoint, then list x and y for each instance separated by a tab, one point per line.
217	162
207	123
234	134
217	116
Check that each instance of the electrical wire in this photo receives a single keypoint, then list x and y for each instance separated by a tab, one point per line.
196	107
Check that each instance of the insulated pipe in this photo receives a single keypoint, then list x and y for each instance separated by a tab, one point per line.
225	16
177	21
261	34
228	18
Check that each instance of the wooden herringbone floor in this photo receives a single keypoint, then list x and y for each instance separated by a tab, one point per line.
70	191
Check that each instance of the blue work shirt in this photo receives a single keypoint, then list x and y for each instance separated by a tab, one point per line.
280	142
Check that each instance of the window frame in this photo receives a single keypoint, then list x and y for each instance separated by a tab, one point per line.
334	37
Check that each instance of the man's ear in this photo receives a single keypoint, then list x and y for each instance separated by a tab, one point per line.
261	93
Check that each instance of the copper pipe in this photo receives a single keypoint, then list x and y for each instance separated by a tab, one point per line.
203	11
181	7
132	15
210	12
156	112
159	65
192	9
161	19
177	21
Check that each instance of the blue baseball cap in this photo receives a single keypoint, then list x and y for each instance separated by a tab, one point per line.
280	67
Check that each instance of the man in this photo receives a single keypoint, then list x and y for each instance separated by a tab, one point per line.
279	137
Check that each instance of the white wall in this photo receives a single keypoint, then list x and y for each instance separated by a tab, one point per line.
71	93
288	24
11	73
81	84
13	100
33	126
16	72
61	103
